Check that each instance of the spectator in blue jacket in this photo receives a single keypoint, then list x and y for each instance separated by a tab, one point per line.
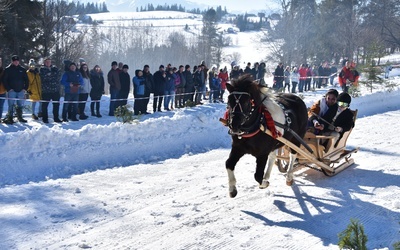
140	102
71	80
169	88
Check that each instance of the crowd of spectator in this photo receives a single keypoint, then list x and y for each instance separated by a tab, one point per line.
310	77
171	87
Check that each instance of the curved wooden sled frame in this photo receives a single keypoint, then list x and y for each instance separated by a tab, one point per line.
330	160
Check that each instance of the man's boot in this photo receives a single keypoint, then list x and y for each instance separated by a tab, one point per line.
8	119
98	112
92	109
19	115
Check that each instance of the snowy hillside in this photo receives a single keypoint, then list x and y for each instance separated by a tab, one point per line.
249	6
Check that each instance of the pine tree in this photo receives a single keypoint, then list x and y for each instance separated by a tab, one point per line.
353	237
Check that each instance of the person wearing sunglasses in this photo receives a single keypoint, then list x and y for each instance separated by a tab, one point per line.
344	119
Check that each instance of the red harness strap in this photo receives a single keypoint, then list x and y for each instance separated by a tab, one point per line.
270	122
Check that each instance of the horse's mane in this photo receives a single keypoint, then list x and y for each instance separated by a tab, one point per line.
245	83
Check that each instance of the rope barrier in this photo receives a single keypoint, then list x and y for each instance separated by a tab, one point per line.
110	100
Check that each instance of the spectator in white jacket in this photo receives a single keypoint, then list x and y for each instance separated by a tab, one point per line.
294	77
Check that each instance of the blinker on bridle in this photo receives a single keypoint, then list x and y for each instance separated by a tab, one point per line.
233	110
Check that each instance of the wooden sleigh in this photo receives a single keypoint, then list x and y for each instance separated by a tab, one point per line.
330	160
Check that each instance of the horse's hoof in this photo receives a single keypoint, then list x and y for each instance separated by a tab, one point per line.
289	183
233	193
264	184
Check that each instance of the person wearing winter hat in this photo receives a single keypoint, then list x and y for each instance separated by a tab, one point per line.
148	83
322	112
125	80
343	121
49	75
189	86
71	80
35	86
160	81
115	87
16	82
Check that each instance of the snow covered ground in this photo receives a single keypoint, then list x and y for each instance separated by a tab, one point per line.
161	183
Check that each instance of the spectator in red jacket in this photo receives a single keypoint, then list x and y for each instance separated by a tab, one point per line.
348	76
303	77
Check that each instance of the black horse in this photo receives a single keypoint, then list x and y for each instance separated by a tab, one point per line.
249	106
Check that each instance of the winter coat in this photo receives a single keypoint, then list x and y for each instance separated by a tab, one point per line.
170	82
303	73
35	85
138	85
350	74
278	74
149	83
97	84
15	78
295	76
113	79
189	86
197	79
125	80
345	120
247	70
50	79
182	83
224	79
211	79
287	76
85	88
159	83
321	109
254	72
177	81
73	77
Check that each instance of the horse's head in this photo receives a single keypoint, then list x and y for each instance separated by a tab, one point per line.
243	100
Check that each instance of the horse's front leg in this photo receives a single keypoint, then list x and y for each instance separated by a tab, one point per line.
230	164
289	175
270	164
259	174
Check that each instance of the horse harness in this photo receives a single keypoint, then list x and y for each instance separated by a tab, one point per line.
263	117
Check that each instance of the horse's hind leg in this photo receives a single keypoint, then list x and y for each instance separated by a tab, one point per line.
230	164
289	175
270	164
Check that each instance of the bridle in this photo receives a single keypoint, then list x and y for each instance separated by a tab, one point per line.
237	109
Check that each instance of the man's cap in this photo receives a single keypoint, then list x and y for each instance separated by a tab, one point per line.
15	58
